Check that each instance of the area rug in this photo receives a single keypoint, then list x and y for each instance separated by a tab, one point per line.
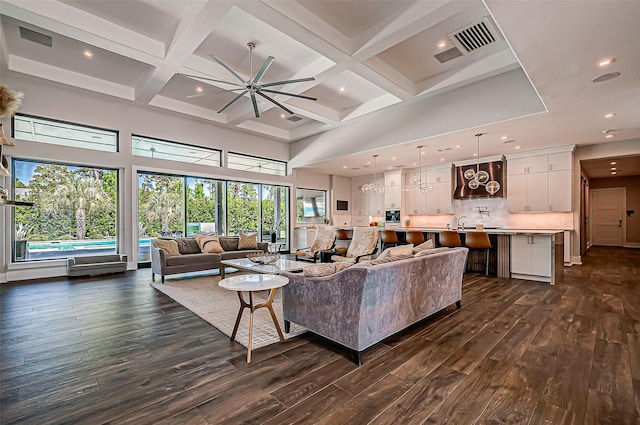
219	307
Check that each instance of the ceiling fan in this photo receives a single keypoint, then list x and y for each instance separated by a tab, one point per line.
253	86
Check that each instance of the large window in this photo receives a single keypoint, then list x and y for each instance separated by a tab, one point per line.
311	205
256	164
174	206
75	210
173	151
54	132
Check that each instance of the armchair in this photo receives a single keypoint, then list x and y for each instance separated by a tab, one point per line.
364	245
325	240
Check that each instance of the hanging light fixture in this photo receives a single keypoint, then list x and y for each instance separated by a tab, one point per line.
375	186
480	177
418	183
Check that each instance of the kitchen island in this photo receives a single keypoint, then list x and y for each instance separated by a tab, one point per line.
531	254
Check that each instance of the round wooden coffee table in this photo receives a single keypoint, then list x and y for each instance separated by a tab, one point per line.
250	283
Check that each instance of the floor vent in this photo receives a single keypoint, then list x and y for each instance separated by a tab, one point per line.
294	118
36	37
475	36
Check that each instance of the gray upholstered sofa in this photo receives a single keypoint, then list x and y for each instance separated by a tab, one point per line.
90	265
191	259
368	302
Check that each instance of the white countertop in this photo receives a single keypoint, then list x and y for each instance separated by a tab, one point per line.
499	231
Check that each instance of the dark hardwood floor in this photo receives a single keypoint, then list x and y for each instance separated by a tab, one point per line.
114	350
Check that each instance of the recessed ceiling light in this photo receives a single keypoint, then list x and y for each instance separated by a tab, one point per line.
341	89
458	146
610	115
199	89
441	159
414	163
368	162
613	172
390	167
475	154
605	77
422	153
609	136
283	116
613	168
344	166
442	45
516	147
504	137
393	157
613	163
88	53
606	62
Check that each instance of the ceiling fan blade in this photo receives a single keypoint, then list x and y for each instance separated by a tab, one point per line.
264	68
232	101
210	79
291	94
275	102
255	104
215	92
217	59
278	83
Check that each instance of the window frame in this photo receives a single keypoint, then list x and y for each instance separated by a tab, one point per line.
243	155
178	144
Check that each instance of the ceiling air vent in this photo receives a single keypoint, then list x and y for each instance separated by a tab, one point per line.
475	36
448	54
36	37
294	118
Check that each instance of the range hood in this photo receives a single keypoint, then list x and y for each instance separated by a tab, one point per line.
496	173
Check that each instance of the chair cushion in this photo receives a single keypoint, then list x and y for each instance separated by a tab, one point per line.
209	244
324	269
377	261
325	237
424	245
341	259
364	241
397	250
248	241
169	246
209	260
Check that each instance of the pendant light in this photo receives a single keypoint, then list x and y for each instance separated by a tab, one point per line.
374	187
418	184
479	177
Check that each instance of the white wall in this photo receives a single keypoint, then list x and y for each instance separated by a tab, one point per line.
57	101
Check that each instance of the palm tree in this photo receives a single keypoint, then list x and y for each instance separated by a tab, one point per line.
164	206
83	195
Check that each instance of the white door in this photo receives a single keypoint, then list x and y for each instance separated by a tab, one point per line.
607	219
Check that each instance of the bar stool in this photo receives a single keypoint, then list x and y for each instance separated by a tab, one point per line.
389	237
415	237
450	238
479	241
342	238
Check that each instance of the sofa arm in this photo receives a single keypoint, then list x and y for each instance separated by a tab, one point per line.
263	246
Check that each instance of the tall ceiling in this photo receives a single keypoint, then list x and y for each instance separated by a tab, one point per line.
371	60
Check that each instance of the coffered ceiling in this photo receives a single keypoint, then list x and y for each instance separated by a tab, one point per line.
368	58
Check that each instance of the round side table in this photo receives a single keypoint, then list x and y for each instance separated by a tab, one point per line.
250	283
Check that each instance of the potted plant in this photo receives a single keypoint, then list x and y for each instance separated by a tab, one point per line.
21	248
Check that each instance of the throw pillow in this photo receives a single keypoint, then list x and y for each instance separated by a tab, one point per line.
396	250
169	246
209	244
424	245
248	241
324	269
188	246
431	251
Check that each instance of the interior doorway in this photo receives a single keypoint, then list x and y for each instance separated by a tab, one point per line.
607	216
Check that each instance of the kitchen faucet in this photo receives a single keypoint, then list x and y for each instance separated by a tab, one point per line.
461	221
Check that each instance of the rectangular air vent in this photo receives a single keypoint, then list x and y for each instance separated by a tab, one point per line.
448	54
36	37
475	36
294	118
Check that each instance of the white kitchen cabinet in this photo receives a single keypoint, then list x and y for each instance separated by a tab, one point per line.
560	190
360	220
360	201
438	195
415	199
393	190
539	183
376	203
531	257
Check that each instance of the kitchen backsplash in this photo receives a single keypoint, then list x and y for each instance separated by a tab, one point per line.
494	213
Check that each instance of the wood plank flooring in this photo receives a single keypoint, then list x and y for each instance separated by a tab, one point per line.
114	350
